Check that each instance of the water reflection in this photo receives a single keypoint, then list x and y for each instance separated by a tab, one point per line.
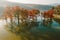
37	30
47	23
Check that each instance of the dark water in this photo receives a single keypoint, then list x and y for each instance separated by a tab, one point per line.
39	31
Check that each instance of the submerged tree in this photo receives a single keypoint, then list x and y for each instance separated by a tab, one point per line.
48	16
5	17
17	13
8	16
20	14
33	14
6	13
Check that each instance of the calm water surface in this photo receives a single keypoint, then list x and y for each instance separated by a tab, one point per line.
37	31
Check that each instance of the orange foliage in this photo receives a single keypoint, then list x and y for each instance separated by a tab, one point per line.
32	12
10	11
49	13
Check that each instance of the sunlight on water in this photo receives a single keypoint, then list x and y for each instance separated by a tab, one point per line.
5	35
40	18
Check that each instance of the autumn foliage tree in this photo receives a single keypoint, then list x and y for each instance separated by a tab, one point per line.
17	12
33	13
49	14
8	15
20	15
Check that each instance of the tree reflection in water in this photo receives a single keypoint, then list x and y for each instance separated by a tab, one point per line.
35	31
27	34
47	23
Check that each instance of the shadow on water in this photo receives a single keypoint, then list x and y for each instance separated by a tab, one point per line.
38	31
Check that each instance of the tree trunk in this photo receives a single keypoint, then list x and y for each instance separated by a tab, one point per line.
6	20
11	21
18	19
